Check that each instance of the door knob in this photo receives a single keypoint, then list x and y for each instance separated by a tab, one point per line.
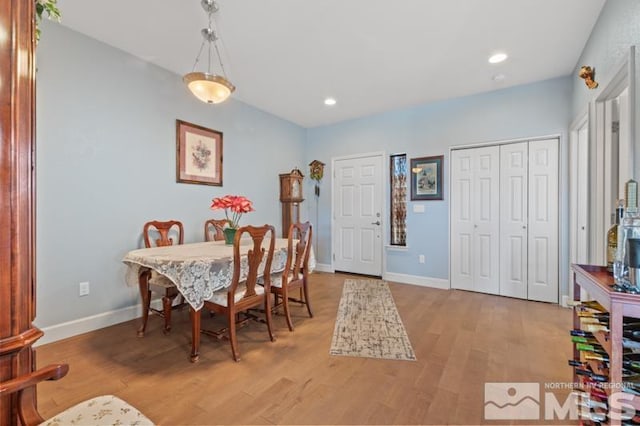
376	223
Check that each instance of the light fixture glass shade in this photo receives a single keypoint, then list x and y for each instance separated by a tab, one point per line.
209	88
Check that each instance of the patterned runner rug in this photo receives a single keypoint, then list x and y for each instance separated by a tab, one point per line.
368	324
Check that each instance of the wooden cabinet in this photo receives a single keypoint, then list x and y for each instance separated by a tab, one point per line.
597	282
17	251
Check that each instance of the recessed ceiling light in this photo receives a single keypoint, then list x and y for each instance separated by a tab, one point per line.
330	101
498	57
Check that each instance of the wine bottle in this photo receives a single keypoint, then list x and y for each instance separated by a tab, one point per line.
612	235
579	332
587	340
594	356
591	403
593	327
593	376
628	343
590	304
585	347
594	417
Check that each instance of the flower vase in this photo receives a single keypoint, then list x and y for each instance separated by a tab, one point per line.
229	235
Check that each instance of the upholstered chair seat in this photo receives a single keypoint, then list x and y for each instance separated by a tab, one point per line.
101	410
220	297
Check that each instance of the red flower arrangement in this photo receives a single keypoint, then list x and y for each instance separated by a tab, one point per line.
237	204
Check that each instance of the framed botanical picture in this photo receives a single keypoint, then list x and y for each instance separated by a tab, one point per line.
426	178
198	154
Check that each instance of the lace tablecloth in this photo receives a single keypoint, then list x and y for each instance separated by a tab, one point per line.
199	269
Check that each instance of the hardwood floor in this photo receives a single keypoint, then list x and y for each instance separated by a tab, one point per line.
461	341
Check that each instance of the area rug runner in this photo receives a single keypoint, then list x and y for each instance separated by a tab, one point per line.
368	324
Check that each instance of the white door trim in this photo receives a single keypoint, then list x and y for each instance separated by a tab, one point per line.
385	222
580	122
621	78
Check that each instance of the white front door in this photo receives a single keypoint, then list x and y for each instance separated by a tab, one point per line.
357	214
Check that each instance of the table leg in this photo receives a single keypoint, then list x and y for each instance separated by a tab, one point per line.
195	334
143	282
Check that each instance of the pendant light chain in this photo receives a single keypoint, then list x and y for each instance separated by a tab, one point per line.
211	36
208	87
198	56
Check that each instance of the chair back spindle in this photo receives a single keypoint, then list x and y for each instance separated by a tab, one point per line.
213	229
164	229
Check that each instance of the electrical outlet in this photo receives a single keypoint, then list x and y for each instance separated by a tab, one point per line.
83	288
421	258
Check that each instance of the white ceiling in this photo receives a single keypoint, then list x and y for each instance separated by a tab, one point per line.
286	56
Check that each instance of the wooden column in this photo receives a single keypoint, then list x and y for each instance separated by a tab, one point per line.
17	130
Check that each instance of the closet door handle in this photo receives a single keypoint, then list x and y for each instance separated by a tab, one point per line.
524	226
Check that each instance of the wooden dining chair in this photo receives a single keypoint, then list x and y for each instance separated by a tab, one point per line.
213	229
244	293
105	409
296	271
165	233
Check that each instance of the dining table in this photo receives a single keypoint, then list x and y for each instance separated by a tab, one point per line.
198	270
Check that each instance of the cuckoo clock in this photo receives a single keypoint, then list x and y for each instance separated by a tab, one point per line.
290	197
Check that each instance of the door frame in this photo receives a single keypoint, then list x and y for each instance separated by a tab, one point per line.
384	176
620	78
582	120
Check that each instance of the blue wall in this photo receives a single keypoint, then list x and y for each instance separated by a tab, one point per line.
106	143
106	158
525	111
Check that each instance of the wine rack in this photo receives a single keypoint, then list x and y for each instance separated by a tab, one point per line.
597	282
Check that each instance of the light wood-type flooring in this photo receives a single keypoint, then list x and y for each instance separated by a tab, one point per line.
461	340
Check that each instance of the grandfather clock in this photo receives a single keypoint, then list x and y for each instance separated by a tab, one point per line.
290	197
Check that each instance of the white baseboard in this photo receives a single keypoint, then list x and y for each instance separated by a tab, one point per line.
323	267
417	280
94	322
91	323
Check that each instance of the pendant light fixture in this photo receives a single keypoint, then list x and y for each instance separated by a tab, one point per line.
208	87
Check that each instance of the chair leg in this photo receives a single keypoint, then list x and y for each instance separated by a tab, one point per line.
231	317
146	306
145	295
306	297
167	301
267	314
285	304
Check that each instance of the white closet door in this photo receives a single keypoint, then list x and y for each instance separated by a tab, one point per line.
486	212
513	219
461	219
543	221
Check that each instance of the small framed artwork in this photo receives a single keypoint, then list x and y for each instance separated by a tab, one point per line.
198	154
426	178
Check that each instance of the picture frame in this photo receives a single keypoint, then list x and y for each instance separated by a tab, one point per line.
198	154
426	178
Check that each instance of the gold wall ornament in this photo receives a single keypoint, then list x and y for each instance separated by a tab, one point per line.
316	172
587	73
